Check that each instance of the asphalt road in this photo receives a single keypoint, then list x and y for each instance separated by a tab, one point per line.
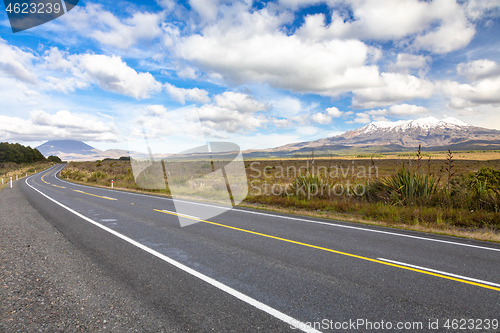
247	271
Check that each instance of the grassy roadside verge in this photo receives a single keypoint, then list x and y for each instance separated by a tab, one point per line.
483	233
438	220
8	170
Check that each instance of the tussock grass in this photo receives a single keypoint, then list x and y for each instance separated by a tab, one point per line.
9	169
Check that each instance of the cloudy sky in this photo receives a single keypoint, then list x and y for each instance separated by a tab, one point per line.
260	74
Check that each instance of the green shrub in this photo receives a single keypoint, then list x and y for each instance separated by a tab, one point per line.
54	159
95	176
407	186
486	177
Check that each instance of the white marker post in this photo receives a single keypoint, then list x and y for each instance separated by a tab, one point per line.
10	182
2	181
111	183
16	177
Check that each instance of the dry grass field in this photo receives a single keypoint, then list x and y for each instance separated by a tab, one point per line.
9	169
457	194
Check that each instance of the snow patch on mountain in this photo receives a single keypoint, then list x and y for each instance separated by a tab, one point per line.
425	124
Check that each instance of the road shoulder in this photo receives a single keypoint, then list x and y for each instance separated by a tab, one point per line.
49	285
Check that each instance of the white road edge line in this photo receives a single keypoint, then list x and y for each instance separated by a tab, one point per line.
441	272
303	220
233	292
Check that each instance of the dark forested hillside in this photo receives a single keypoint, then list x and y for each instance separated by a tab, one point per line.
16	153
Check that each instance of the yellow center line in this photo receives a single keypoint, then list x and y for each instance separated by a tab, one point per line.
43	180
94	195
337	252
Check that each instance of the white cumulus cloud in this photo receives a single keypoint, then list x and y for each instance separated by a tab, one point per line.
257	50
405	63
326	118
16	63
407	109
60	125
232	112
182	95
113	74
155	110
207	9
478	9
479	69
439	26
395	88
462	96
103	26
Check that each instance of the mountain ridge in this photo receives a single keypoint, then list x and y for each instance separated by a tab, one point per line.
428	132
53	147
73	150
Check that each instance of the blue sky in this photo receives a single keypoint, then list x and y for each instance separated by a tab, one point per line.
260	74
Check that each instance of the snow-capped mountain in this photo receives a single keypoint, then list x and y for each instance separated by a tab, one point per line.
428	132
425	124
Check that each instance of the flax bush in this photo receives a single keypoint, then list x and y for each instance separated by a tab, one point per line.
409	187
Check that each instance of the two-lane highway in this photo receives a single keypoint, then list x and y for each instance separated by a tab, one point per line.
246	270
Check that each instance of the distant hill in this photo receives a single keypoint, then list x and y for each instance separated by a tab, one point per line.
72	150
386	136
56	147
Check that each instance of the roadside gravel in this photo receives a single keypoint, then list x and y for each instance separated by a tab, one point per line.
47	285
